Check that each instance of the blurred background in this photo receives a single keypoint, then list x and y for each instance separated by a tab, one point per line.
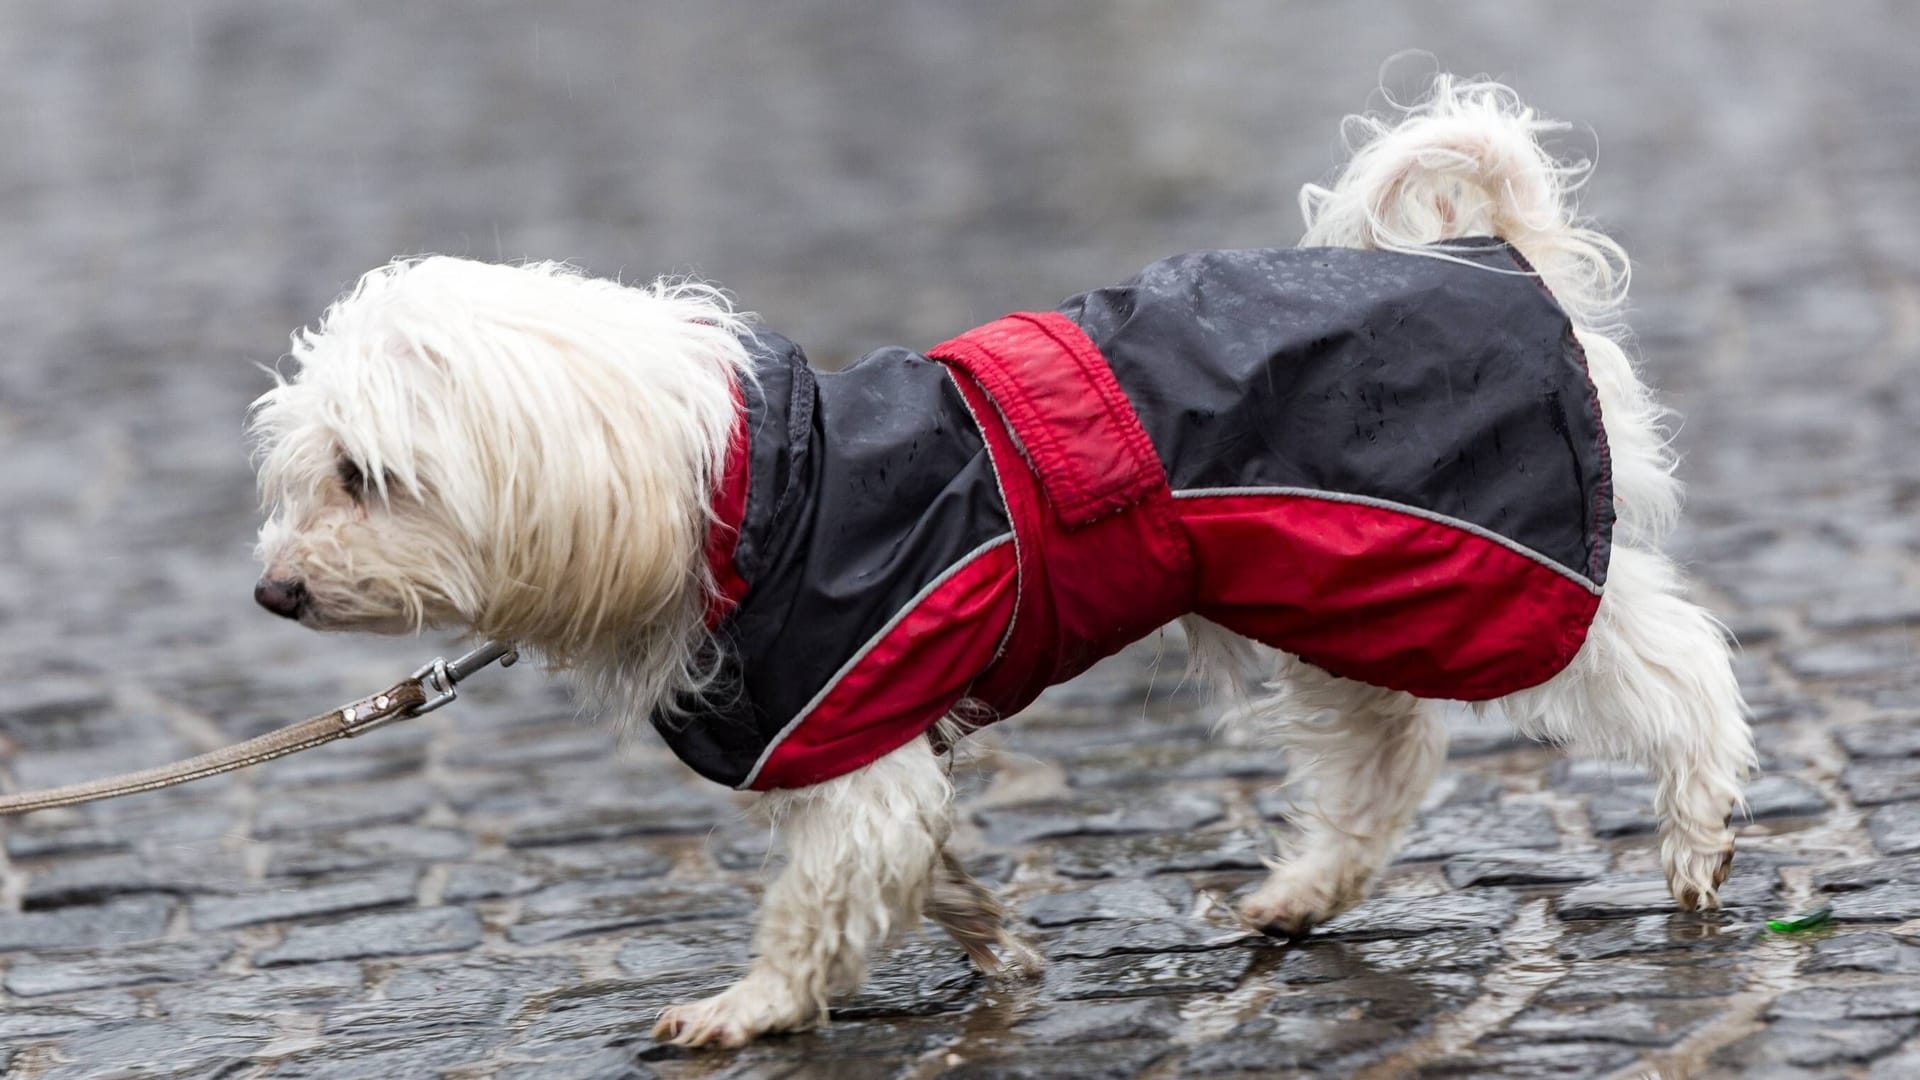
183	182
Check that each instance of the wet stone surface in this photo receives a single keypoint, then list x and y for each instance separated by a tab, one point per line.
589	907
1271	1045
1161	898
303	989
1896	902
1098	1061
1636	1023
1665	935
1860	875
1815	1044
1893	736
1882	954
1525	867
401	933
1413	916
1132	856
117	922
176	1047
1618	978
1533	1059
274	901
1896	829
921	979
507	889
360	849
1466	829
185	870
1173	812
1464	950
172	961
1140	975
1111	938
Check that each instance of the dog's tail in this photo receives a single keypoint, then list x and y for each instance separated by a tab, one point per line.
1467	161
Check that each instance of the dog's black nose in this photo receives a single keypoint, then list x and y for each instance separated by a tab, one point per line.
284	598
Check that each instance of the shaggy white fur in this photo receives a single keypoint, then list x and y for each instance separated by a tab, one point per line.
522	451
527	453
863	851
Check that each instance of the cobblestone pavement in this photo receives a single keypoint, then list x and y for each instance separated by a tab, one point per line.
493	891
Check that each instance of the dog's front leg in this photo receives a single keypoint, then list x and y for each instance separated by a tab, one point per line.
862	850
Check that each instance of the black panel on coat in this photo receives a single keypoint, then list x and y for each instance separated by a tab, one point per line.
1454	387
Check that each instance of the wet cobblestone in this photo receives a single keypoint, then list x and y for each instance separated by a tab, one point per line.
505	890
400	933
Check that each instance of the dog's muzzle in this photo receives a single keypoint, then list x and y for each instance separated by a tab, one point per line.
286	599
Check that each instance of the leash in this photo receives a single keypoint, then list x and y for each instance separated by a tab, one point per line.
424	691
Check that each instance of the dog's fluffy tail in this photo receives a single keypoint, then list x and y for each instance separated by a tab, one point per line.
1467	161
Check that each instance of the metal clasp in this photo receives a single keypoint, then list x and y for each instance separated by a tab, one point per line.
437	681
440	677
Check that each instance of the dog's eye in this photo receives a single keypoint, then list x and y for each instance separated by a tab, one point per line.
352	478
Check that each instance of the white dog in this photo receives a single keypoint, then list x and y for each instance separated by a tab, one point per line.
812	583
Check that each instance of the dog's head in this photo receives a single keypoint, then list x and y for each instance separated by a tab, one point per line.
520	451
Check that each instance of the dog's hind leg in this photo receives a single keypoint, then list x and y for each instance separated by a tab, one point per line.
974	917
1363	758
1654	686
862	853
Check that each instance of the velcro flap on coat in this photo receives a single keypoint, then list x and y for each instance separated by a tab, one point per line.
1074	424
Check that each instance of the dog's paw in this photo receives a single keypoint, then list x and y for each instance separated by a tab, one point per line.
1694	875
1002	954
1287	919
1289	905
1017	960
754	1006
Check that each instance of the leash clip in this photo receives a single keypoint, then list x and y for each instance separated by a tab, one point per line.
436	680
441	677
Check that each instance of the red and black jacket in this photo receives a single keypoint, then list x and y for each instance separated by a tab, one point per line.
1390	465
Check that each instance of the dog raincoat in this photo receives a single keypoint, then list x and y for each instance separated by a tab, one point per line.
1391	465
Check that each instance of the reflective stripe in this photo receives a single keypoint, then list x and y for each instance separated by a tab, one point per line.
1000	483
1411	511
854	662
